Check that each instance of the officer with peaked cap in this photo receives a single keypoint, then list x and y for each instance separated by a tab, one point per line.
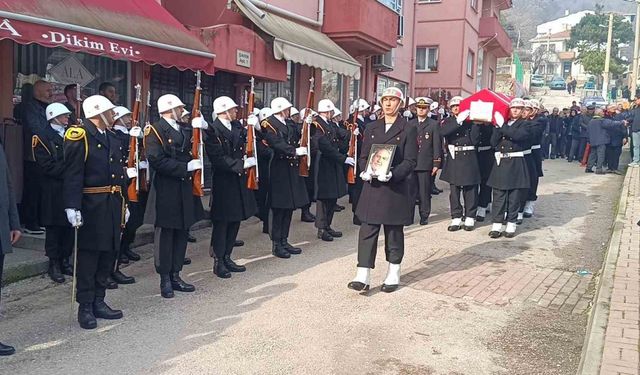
94	181
168	147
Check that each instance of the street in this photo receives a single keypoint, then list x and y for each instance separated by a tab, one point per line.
467	304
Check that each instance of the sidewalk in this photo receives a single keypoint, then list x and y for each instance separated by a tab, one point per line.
612	343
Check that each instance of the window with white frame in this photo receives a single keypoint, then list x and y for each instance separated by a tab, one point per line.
474	4
395	5
427	59
470	59
332	87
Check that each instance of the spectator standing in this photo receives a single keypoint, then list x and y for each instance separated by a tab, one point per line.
618	137
634	117
555	129
599	129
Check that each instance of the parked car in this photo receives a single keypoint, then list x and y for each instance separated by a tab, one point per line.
590	84
599	101
557	83
537	80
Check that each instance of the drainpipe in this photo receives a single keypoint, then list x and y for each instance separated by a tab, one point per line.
291	15
413	50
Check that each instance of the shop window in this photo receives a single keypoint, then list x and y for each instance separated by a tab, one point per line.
265	92
332	87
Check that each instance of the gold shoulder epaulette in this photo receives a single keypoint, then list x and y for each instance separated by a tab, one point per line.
318	126
147	130
34	143
75	133
266	125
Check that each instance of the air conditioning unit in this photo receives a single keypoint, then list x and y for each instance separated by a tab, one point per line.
383	63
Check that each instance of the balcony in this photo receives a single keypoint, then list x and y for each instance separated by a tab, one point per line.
361	27
495	38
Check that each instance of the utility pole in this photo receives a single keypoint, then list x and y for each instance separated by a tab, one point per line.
636	49
605	83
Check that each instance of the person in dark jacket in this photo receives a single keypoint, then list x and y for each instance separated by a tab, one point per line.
634	117
579	127
619	137
599	130
386	199
555	134
567	133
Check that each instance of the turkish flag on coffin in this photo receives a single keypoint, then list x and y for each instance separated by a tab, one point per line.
484	103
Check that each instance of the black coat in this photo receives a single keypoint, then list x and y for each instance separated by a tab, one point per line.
429	144
511	173
537	127
171	201
231	201
47	148
34	121
328	161
95	160
486	158
287	189
464	169
389	202
555	124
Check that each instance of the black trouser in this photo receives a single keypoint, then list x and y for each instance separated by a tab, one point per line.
470	194
1	267
596	156
424	184
555	145
136	219
507	201
30	205
533	189
324	212
578	145
484	196
223	236
58	242
280	223
92	271
613	157
368	244
170	249
567	145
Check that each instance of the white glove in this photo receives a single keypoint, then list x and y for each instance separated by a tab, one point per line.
193	165
373	117
74	217
126	215
356	131
309	119
249	162
499	119
351	161
385	178
136	132
143	165
301	151
406	113
132	173
365	176
199	123
463	116
252	120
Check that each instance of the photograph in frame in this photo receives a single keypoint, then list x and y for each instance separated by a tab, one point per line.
380	158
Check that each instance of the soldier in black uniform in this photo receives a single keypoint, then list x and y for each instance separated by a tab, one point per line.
537	125
486	161
361	121
386	200
173	208
287	190
461	169
231	200
510	174
47	152
328	167
429	157
94	181
265	154
305	212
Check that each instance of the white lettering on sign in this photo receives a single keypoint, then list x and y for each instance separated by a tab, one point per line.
243	58
74	40
6	25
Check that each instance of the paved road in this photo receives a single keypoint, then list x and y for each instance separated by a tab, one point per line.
468	304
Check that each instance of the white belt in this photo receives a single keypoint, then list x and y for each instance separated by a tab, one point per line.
508	155
527	152
535	147
484	148
453	149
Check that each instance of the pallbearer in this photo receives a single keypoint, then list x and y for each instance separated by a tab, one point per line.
385	199
486	161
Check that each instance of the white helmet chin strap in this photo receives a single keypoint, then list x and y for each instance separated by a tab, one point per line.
104	120
175	114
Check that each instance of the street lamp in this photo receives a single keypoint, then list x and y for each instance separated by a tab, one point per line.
636	50
607	60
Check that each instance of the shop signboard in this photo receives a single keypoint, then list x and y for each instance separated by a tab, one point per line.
71	70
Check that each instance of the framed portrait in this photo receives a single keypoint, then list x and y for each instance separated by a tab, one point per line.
380	158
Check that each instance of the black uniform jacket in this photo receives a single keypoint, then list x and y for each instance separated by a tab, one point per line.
389	202
95	160
328	161
512	172
287	188
171	203
486	158
429	144
231	201
463	170
48	153
537	127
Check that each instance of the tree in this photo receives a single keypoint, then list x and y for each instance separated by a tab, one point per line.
539	57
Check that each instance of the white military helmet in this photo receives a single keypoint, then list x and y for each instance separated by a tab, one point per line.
528	104
326	105
264	113
185	113
256	111
120	111
96	105
535	103
362	104
455	101
280	104
222	104
305	112
336	113
56	109
516	102
294	111
393	92
168	102
411	102
376	108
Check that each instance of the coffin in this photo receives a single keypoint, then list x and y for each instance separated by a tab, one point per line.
484	103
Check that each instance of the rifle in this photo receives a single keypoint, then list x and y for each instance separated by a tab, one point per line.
353	144
78	104
134	155
253	175
305	160
197	144
145	175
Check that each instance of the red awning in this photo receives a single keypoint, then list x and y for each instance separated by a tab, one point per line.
136	30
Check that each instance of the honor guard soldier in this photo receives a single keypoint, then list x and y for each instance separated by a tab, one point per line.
47	152
510	174
486	160
287	190
429	156
305	213
461	169
94	179
328	167
231	200
355	189
537	126
171	199
385	199
265	154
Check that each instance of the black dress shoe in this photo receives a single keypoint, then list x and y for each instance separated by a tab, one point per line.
424	221
468	228
178	284
334	233
324	235
121	278
480	219
495	234
290	249
66	268
220	269
186	261
509	234
233	266
307	217
599	171
54	271
238	243
123	259
111	284
454	228
191	238
103	311
278	251
132	255
389	288
85	316
527	215
519	222
6	349
588	170
435	191
165	286
357	285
